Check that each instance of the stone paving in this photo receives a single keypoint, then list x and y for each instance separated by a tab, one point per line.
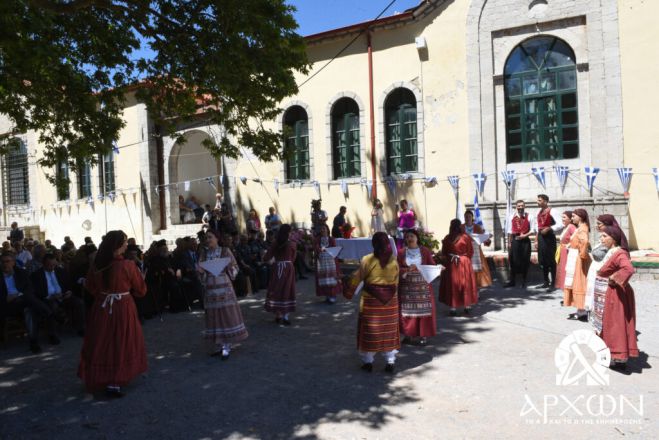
491	375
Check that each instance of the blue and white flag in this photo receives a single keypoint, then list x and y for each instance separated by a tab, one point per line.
369	188
539	174
591	174
243	179
344	187
431	180
112	196
221	179
275	182
316	185
562	174
115	147
479	181
101	197
625	175
391	184
477	212
90	200
211	183
455	184
508	178
655	173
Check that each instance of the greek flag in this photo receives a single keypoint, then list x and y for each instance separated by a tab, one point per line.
211	183
479	181
243	179
591	174
112	196
316	185
391	184
275	182
431	180
625	175
90	200
455	184
369	188
344	187
562	173
115	147
221	179
655	173
477	212
539	174
508	178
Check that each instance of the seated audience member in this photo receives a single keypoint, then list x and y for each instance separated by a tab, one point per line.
52	286
17	300
241	283
78	269
49	246
22	255
68	243
194	204
186	214
36	262
184	262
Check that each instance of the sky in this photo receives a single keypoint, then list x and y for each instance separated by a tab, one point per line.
315	16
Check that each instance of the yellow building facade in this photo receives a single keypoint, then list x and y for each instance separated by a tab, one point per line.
426	94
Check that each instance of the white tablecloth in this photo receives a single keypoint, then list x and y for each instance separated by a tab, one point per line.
356	248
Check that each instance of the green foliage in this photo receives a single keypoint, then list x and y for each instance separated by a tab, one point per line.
427	239
66	67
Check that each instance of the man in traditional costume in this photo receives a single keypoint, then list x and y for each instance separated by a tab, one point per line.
548	225
519	244
378	326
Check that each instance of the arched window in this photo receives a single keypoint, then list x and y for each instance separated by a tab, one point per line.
17	182
400	114
296	124
541	101
345	139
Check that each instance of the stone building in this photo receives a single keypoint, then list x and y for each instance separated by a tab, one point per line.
392	107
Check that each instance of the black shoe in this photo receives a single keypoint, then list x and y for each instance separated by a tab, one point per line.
551	288
618	366
286	321
423	342
453	313
35	347
390	368
114	392
406	340
53	340
467	312
509	284
367	366
573	317
277	320
583	318
544	285
561	303
224	357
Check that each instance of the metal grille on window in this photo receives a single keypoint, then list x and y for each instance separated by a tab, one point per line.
541	101
16	177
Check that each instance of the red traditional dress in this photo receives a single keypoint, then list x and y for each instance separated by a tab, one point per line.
280	297
457	287
416	300
574	294
619	318
566	235
478	261
378	328
113	351
328	273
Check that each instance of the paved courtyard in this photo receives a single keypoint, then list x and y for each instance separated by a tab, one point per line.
491	375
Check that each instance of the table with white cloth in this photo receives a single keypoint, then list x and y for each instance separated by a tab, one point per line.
356	248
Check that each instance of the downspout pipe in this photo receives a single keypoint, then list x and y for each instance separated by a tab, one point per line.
160	160
374	188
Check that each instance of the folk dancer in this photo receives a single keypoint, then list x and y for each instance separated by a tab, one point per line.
564	241
328	273
457	287
519	244
478	261
406	220
576	266
224	320
378	326
416	299
619	314
280	297
548	225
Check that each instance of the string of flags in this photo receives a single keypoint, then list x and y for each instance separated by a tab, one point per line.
508	177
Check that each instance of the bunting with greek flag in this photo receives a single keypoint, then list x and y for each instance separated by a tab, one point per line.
539	174
479	182
477	212
455	184
391	184
344	187
211	183
243	179
316	185
508	178
369	188
275	182
562	173
655	174
115	147
625	175
591	174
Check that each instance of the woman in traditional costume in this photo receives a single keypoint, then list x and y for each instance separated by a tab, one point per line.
478	261
416	300
576	266
328	273
619	314
113	351
378	326
457	287
564	242
224	320
280	298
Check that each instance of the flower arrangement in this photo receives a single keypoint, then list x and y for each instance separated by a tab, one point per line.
427	239
346	230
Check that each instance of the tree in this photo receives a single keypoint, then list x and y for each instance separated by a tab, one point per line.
66	66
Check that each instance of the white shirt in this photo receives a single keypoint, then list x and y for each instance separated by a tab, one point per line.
558	222
53	286
24	256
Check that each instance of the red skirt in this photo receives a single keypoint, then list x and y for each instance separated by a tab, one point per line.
280	297
378	329
457	287
417	307
619	323
323	272
113	352
560	269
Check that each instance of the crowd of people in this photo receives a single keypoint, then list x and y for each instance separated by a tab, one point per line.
106	293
